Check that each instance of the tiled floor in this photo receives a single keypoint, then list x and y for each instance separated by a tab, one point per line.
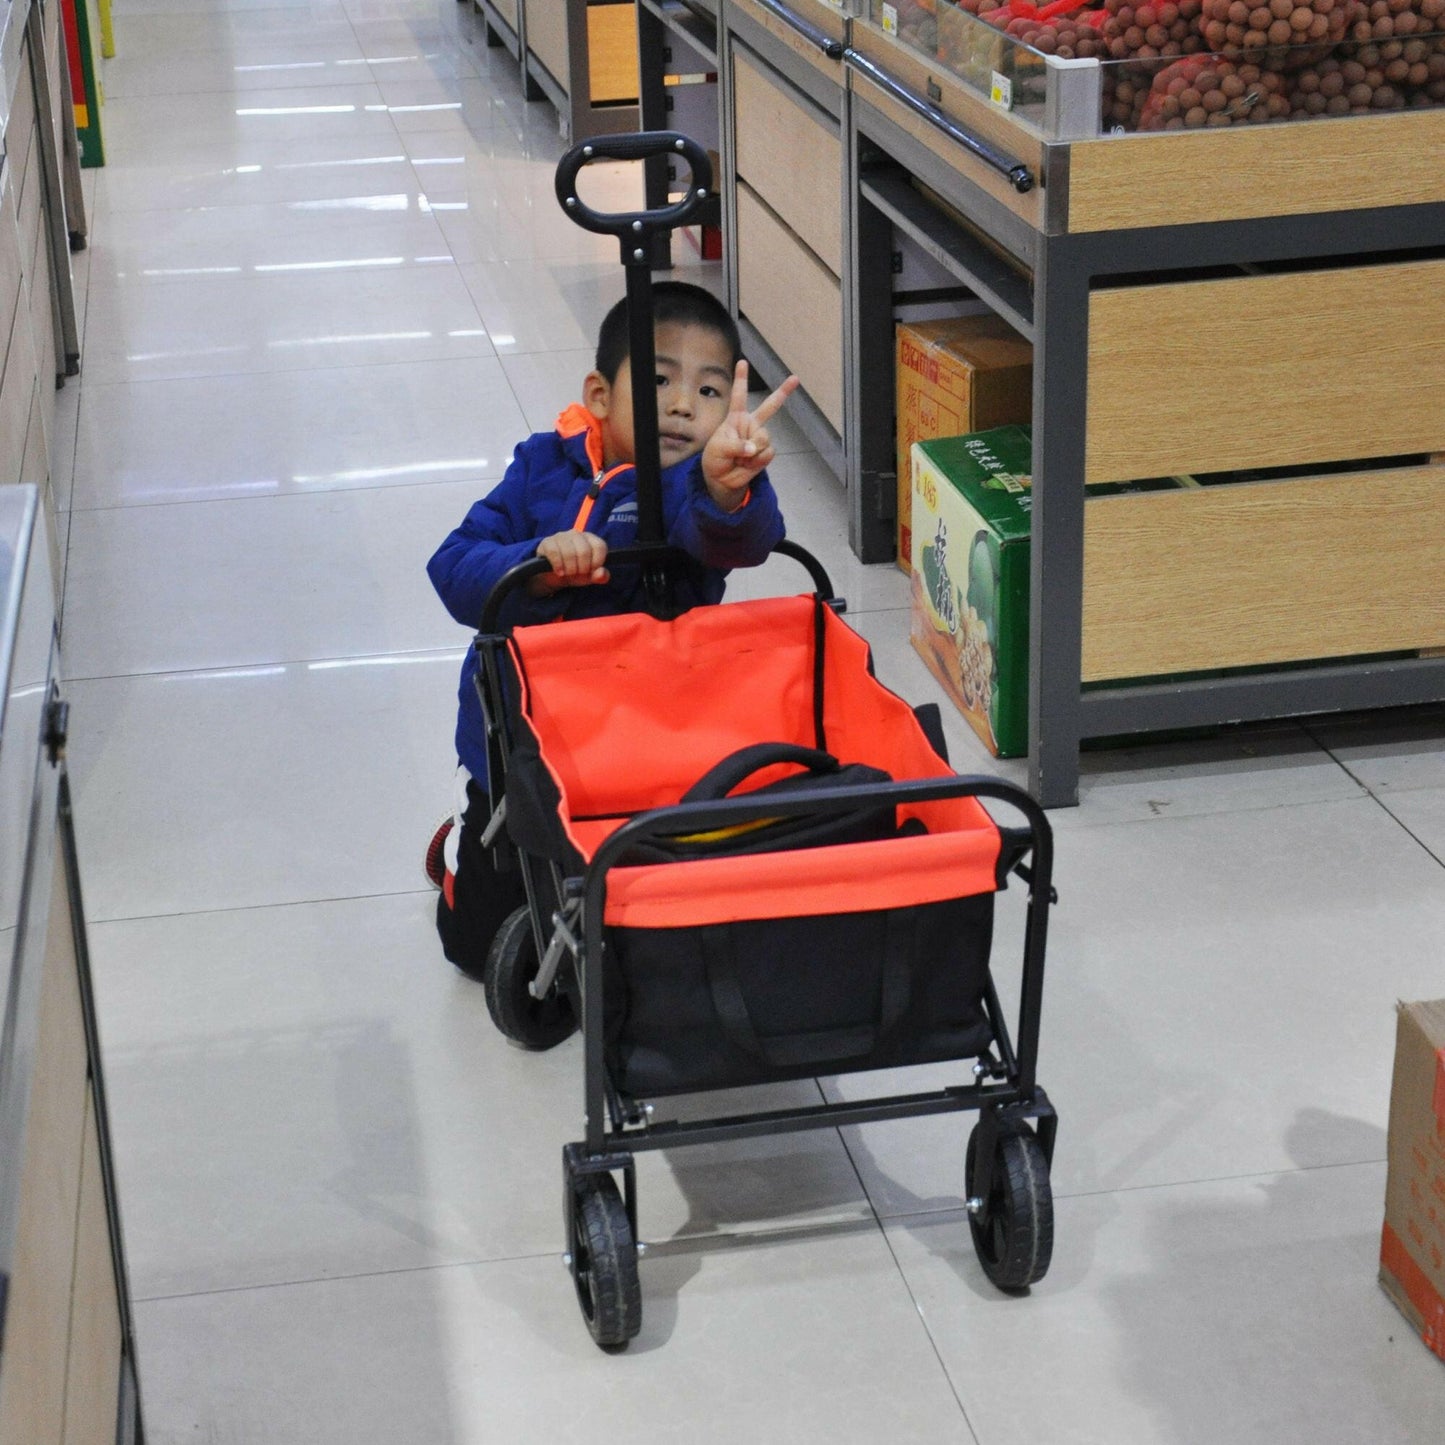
328	289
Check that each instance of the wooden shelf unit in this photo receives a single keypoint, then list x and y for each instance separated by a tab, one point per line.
1291	317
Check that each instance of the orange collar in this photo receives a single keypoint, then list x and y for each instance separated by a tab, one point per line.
576	420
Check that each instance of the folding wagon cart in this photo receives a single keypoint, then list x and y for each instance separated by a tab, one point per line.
834	917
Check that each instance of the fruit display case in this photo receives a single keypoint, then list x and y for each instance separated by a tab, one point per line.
1230	263
1258	303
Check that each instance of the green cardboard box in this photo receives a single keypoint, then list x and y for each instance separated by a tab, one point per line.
969	619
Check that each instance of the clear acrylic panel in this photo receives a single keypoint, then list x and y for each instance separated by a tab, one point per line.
1190	64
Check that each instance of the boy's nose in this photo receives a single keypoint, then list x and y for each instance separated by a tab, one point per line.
679	401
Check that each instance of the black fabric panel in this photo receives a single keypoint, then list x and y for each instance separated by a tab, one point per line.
760	1001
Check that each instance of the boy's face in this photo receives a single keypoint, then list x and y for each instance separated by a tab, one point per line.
694	387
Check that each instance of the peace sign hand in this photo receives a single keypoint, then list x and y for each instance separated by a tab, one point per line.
739	449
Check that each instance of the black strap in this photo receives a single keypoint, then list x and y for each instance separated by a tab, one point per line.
819	673
724	776
819	1046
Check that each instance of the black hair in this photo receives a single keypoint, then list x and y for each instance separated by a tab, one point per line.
676	301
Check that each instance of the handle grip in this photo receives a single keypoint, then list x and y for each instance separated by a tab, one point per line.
639	146
738	767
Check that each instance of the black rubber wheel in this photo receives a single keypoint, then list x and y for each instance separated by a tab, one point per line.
1014	1232
604	1262
510	967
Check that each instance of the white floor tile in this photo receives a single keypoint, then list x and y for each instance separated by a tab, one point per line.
242	66
261	240
1394	749
467	104
555	306
151	33
282	322
1219	1001
146	130
296	432
1244	1310
156	587
816	1343
233	788
546	383
374	1117
1422	812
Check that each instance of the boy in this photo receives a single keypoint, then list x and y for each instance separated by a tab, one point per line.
568	496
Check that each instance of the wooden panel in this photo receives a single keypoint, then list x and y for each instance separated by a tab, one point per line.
612	52
793	301
1235	174
547	37
1265	371
37	1328
790	159
824	17
93	1391
1263	572
1027	207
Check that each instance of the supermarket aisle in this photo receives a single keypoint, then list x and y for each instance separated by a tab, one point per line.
328	289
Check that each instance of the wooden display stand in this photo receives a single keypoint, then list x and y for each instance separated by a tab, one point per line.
1197	302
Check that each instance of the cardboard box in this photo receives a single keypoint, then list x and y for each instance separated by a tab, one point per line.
1412	1247
969	618
965	374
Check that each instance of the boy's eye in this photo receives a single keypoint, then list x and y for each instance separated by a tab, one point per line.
711	391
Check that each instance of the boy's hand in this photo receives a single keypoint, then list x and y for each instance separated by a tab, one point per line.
576	559
739	449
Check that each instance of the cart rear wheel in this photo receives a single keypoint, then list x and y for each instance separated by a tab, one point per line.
1013	1232
510	967
604	1262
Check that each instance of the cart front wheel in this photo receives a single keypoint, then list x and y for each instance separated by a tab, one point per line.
535	1023
604	1262
1013	1230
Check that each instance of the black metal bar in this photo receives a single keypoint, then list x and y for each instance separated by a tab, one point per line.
822	583
870	438
671	1134
830	45
1201	702
642	354
651	116
1061	353
1017	173
986	273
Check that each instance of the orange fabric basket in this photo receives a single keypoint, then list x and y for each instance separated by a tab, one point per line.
629	712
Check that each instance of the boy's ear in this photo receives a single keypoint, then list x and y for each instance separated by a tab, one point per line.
597	394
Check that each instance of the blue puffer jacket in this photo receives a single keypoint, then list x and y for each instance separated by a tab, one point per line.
542	493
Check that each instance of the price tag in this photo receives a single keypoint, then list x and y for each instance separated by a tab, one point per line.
890	19
1002	93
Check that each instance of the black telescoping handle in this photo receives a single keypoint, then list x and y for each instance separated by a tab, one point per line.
635	230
